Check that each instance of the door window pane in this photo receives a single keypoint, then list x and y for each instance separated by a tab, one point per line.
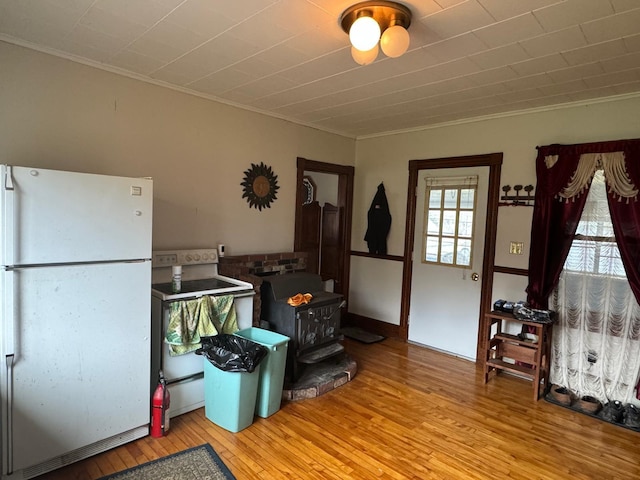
433	222
435	198
467	198
465	224
448	247
450	198
449	222
432	247
463	252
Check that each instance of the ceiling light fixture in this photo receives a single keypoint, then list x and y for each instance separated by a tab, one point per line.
370	23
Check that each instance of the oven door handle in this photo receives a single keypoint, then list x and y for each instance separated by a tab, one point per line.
245	294
242	294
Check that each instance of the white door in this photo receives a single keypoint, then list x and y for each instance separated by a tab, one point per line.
445	298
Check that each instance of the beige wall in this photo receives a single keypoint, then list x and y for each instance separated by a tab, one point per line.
385	159
58	114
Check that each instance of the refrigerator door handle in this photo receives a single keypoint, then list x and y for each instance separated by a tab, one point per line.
8	312
8	178
7	219
9	430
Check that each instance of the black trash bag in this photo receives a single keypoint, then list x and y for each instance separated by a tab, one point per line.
231	353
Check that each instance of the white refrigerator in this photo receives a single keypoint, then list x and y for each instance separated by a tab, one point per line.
75	279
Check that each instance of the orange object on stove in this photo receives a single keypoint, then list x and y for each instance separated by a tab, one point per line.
299	299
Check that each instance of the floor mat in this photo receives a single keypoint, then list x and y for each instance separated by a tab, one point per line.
193	464
361	335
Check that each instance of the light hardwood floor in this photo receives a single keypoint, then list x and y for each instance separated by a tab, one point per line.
410	413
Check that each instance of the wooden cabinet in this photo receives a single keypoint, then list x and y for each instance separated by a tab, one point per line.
524	357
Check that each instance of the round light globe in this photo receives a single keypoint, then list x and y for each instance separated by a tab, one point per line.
394	41
365	58
364	33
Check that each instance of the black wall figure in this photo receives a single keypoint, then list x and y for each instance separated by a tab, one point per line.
379	223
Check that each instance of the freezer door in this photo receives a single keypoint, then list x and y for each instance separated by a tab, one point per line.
81	367
50	216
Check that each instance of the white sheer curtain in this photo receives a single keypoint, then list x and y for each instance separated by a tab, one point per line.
596	341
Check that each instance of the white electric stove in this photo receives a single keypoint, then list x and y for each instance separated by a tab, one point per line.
184	373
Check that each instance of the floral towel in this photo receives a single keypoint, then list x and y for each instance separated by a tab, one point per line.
190	320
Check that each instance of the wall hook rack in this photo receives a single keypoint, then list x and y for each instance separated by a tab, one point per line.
518	199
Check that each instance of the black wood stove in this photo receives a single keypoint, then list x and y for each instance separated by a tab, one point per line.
313	328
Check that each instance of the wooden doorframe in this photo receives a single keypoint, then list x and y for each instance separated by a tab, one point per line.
345	200
494	162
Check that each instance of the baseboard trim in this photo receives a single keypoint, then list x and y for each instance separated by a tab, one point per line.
371	325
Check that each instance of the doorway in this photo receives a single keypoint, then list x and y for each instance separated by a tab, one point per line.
447	258
494	163
335	218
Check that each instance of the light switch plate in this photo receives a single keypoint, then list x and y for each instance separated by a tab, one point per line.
515	248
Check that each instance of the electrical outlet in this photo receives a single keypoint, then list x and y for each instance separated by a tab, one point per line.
515	248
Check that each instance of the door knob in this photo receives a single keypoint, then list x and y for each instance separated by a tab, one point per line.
475	277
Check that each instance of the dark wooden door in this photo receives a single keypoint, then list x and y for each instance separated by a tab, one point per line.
331	242
310	235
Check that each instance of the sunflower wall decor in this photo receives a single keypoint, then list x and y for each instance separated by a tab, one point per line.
260	186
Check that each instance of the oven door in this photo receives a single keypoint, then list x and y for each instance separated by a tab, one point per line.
184	373
182	367
179	367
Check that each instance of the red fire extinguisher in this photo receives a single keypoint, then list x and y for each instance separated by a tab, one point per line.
160	408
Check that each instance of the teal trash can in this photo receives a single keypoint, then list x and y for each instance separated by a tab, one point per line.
231	375
272	368
230	397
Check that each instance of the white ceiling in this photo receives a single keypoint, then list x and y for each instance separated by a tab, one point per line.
290	58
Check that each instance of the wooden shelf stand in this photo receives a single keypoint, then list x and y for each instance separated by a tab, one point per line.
528	358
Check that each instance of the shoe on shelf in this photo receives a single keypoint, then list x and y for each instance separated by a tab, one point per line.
613	412
631	416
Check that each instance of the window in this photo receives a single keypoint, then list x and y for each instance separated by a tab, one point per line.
449	221
596	340
594	249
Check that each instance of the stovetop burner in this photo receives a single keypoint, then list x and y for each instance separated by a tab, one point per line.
199	275
193	286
